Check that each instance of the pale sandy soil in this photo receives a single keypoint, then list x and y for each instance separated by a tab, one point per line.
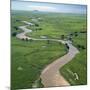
51	76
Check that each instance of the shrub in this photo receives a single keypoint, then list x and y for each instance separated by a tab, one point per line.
62	36
15	27
14	33
37	25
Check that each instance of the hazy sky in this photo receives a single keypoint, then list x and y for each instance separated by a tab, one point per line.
47	7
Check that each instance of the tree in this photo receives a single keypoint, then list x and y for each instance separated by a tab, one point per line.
62	36
15	27
76	34
48	41
70	38
23	39
71	34
82	47
83	32
14	33
37	25
79	46
17	20
40	28
67	46
26	39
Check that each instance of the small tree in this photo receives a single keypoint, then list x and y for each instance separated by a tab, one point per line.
27	39
67	46
14	33
79	46
48	41
82	47
40	28
23	39
70	38
71	34
83	32
17	20
37	25
62	36
15	27
76	34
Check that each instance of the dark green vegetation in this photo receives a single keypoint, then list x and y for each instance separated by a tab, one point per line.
30	57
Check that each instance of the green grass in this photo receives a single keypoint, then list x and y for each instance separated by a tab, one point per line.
78	64
81	39
55	25
33	56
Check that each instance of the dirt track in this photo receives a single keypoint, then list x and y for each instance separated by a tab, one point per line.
51	76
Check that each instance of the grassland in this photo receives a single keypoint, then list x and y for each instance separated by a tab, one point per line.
55	25
30	57
78	65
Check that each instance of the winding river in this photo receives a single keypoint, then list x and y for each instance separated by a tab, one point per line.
51	76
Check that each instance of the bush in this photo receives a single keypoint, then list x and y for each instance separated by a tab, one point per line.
37	25
14	33
70	38
62	36
67	46
15	27
40	28
83	32
17	20
76	34
48	41
71	34
80	46
26	39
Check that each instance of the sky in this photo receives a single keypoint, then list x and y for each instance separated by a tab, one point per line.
47	7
